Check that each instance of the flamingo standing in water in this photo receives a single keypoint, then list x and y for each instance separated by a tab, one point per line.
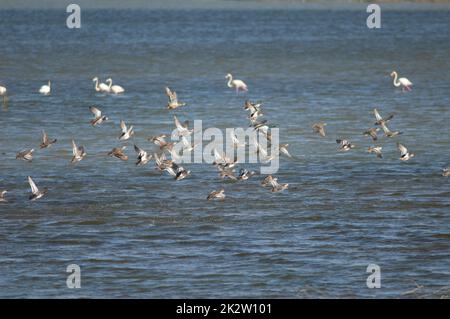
45	89
237	84
403	82
3	93
116	89
102	87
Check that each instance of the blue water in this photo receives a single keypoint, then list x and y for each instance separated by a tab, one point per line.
137	233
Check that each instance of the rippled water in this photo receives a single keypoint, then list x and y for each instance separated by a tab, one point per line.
136	233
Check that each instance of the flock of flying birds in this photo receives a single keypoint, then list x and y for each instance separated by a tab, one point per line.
225	165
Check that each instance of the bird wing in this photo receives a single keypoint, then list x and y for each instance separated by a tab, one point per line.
44	137
385	128
139	150
174	98
178	124
377	115
403	150
185	142
169	93
123	126
95	111
74	148
33	186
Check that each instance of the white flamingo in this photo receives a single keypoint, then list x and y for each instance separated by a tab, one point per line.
46	89
403	82
102	87
116	89
237	84
3	93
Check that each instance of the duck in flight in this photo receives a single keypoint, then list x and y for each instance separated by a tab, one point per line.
98	117
381	120
173	100
372	132
126	132
78	152
161	142
182	129
245	174
26	155
36	193
319	128
389	133
345	145
143	157
376	150
405	155
119	153
178	172
46	142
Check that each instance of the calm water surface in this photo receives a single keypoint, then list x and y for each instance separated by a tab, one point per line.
136	233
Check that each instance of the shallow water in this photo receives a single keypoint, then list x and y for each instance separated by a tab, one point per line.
136	233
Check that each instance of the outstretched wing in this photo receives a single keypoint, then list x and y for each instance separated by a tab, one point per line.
33	186
377	115
44	137
178	124
97	113
123	126
138	149
385	128
74	148
403	150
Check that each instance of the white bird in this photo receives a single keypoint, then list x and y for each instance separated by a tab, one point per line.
45	89
116	89
126	132
102	87
403	82
3	93
237	84
35	192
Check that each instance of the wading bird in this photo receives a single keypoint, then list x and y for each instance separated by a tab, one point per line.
403	82
237	84
116	89
102	87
